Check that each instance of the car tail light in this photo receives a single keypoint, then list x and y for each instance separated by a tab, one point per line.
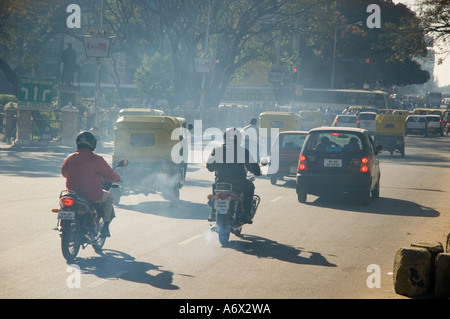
66	201
301	162
364	168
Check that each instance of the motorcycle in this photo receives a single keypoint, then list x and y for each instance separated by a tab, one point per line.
227	205
80	221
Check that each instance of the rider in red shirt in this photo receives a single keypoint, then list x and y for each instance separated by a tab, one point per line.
84	171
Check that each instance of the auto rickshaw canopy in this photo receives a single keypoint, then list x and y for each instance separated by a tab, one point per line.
146	138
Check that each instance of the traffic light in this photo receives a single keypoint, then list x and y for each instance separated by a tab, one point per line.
367	60
295	72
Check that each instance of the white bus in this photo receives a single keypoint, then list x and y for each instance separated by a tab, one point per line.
310	99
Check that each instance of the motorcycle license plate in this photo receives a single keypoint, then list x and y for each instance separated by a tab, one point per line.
66	215
221	205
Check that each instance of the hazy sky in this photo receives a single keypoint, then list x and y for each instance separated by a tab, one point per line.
441	72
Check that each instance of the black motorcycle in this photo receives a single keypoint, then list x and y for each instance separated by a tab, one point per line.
80	221
227	205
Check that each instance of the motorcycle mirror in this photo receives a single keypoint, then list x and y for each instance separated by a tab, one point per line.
264	161
122	163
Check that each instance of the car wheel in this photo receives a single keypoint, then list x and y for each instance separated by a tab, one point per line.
364	197
301	196
376	191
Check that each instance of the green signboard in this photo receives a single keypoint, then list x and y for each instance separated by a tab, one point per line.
35	93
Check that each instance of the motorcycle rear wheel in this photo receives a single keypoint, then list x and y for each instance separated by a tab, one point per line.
224	232
98	244
70	244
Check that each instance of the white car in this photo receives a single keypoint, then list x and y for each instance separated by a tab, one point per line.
367	121
435	124
346	120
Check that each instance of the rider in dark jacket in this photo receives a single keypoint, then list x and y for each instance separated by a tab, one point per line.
230	162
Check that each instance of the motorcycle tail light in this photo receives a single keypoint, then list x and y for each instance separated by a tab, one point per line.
222	195
66	201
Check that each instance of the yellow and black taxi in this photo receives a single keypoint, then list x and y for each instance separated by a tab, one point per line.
339	160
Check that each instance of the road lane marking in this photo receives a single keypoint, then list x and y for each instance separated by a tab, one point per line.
276	198
115	276
187	241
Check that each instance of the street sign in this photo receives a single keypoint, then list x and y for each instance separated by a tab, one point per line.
98	47
203	65
35	93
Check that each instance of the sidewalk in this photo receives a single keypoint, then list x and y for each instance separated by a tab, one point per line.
51	147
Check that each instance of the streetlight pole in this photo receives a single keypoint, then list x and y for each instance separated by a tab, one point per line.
96	120
202	93
334	48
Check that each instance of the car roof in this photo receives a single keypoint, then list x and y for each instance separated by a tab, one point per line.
338	129
350	115
433	115
293	132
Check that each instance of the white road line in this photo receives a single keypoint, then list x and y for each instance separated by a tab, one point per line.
187	241
103	280
276	198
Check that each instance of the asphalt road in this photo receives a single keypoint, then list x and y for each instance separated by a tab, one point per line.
324	249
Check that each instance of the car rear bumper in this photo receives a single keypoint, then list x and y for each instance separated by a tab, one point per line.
319	184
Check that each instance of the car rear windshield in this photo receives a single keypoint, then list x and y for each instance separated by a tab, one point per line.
433	118
291	141
334	142
367	116
416	119
347	119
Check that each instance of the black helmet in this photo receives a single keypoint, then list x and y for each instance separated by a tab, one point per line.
86	139
232	136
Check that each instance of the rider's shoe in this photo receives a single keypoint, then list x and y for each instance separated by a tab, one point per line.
105	231
212	217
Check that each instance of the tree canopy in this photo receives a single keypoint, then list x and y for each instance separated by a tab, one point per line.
236	35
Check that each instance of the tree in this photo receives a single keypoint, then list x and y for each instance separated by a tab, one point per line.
435	16
393	46
153	78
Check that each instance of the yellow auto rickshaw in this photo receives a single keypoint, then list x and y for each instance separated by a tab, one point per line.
140	111
152	146
421	111
283	121
310	119
390	132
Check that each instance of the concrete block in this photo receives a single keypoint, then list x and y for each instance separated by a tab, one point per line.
442	276
412	266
